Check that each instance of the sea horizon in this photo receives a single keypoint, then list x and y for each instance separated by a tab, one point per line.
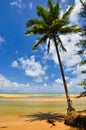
39	93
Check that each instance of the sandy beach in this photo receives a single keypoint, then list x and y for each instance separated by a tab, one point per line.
19	123
15	123
14	113
27	97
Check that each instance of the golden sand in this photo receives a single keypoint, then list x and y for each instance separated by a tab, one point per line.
19	123
16	122
26	97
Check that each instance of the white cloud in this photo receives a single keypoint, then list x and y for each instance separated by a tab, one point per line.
15	64
78	69
74	17
52	54
30	5
45	85
59	81
30	66
20	4
38	79
67	78
1	40
17	4
69	58
69	69
16	52
52	75
63	1
46	78
8	86
73	83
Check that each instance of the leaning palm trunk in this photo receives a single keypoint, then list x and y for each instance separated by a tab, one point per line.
69	102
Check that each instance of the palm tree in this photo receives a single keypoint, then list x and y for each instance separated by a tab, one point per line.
82	45
50	25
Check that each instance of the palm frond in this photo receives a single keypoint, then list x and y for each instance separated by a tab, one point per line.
65	23
63	48
83	72
40	41
57	10
34	21
57	23
83	83
70	29
60	42
50	5
36	29
82	94
83	62
29	32
49	23
79	52
43	13
82	44
68	12
83	3
54	11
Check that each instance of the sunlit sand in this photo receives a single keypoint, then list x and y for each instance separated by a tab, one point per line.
14	109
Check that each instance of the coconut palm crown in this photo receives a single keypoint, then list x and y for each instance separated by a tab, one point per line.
49	26
50	23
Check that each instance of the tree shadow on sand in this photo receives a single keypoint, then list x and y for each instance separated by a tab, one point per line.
78	122
49	117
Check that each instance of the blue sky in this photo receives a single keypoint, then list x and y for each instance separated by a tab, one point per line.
25	71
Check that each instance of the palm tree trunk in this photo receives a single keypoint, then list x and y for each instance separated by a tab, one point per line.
69	102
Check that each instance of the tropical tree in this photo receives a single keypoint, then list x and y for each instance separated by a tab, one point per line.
82	44
50	25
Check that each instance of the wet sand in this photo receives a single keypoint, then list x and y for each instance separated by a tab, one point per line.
11	114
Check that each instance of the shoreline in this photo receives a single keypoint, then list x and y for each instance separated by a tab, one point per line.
37	97
16	108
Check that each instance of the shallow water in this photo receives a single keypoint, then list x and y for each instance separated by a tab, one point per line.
22	106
